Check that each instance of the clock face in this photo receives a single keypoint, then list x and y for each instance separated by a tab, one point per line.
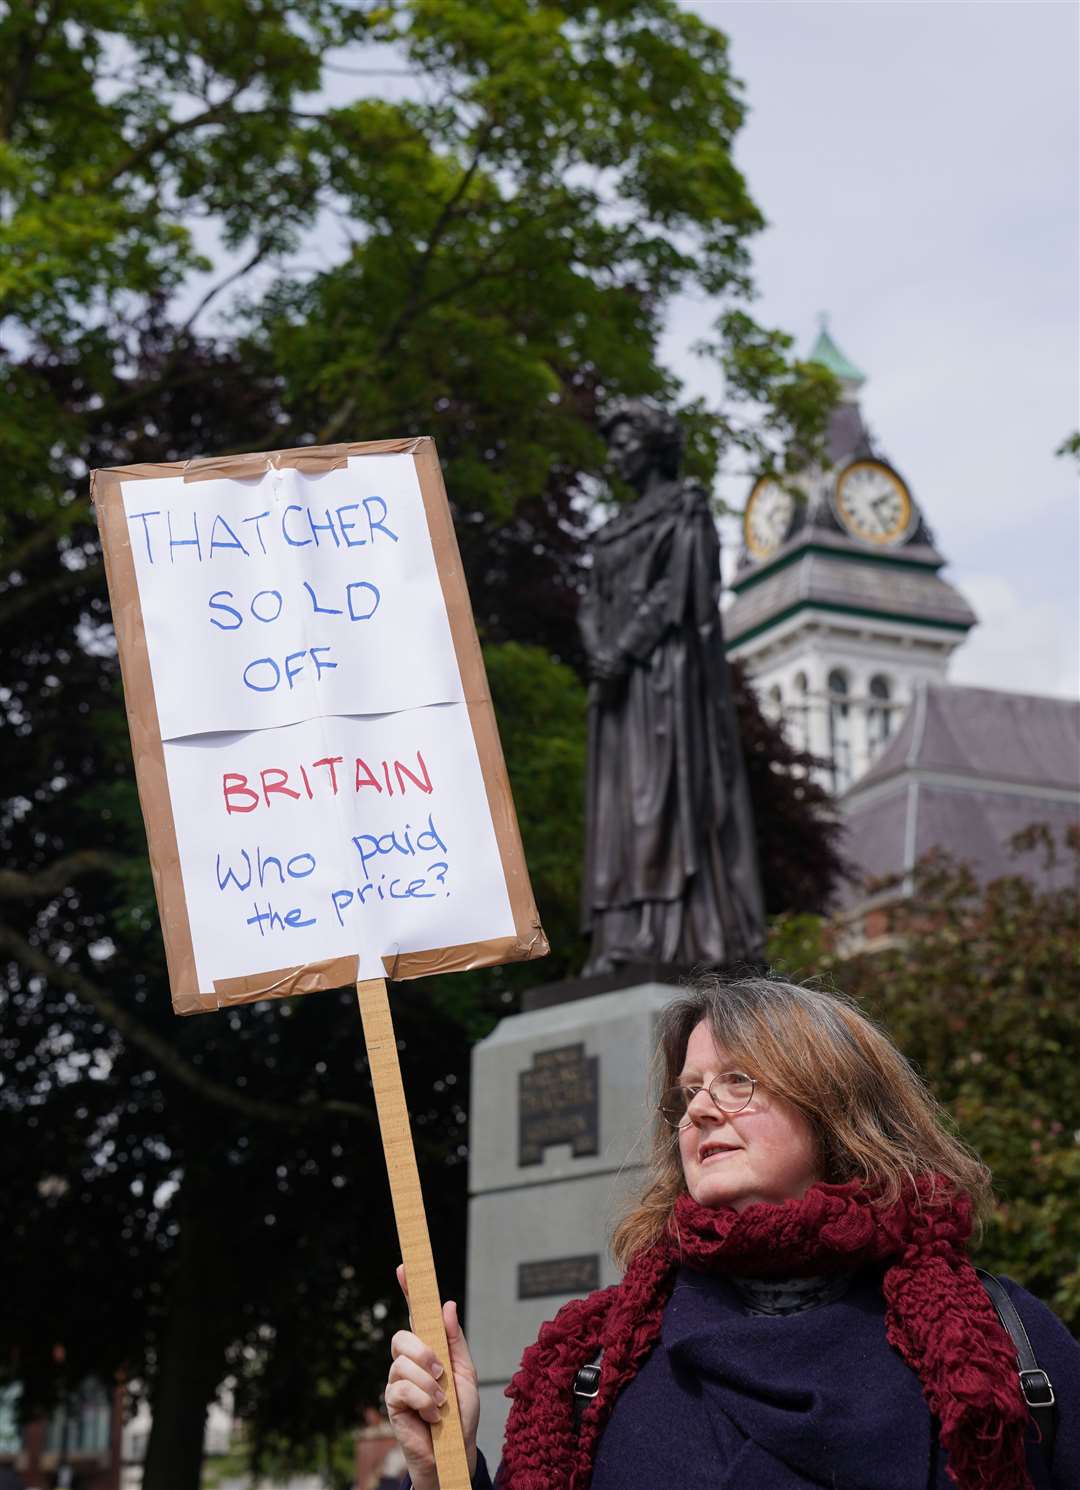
873	504
767	519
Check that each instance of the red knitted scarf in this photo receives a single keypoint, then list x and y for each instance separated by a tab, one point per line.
938	1317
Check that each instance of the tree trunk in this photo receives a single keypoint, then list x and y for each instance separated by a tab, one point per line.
191	1358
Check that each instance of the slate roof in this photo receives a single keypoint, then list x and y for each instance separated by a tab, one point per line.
821	573
968	768
848	437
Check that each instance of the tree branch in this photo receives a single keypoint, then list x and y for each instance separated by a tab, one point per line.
17	886
347	407
27	55
166	1058
47	534
178	127
371	72
414	302
31	595
446	214
145	392
262	248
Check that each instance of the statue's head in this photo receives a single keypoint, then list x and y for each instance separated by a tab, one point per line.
642	437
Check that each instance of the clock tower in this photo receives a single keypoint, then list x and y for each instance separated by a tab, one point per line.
840	610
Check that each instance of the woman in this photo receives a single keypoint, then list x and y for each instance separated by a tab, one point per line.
671	870
797	1309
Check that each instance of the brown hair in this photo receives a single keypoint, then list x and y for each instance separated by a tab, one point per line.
873	1116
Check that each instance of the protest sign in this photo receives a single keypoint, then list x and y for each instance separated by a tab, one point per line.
315	749
316	755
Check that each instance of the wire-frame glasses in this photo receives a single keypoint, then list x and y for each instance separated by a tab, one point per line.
731	1091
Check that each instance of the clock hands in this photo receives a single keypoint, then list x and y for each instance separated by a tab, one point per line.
872	503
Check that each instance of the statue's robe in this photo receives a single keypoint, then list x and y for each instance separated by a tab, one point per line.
671	866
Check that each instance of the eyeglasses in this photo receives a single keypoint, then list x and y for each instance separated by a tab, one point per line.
731	1091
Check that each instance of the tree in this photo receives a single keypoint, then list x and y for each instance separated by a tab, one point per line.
981	990
512	230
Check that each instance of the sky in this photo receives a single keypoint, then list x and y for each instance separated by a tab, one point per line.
919	167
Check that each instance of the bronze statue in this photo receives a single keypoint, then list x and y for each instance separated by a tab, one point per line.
670	859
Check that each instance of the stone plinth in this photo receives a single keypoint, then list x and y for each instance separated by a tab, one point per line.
559	1134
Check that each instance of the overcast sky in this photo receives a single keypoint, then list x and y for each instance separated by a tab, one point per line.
918	165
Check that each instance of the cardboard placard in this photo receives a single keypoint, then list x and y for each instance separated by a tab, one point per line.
315	748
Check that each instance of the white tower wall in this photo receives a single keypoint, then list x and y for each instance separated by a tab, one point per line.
791	666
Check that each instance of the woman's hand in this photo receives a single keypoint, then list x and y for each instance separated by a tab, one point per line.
415	1395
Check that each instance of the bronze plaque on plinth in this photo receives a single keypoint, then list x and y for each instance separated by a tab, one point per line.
559	1275
559	1102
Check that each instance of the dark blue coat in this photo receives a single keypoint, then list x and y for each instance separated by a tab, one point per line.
734	1401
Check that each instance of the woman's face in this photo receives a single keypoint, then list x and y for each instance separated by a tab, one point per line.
628	454
766	1152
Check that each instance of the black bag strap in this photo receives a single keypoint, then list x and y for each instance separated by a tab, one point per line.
1035	1385
586	1386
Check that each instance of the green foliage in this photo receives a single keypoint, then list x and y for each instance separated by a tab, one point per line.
797	944
279	1459
980	987
541	708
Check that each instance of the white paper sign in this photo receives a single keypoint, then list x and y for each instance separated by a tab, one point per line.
291	597
326	790
335	836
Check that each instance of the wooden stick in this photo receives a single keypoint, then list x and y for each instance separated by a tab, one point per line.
424	1303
